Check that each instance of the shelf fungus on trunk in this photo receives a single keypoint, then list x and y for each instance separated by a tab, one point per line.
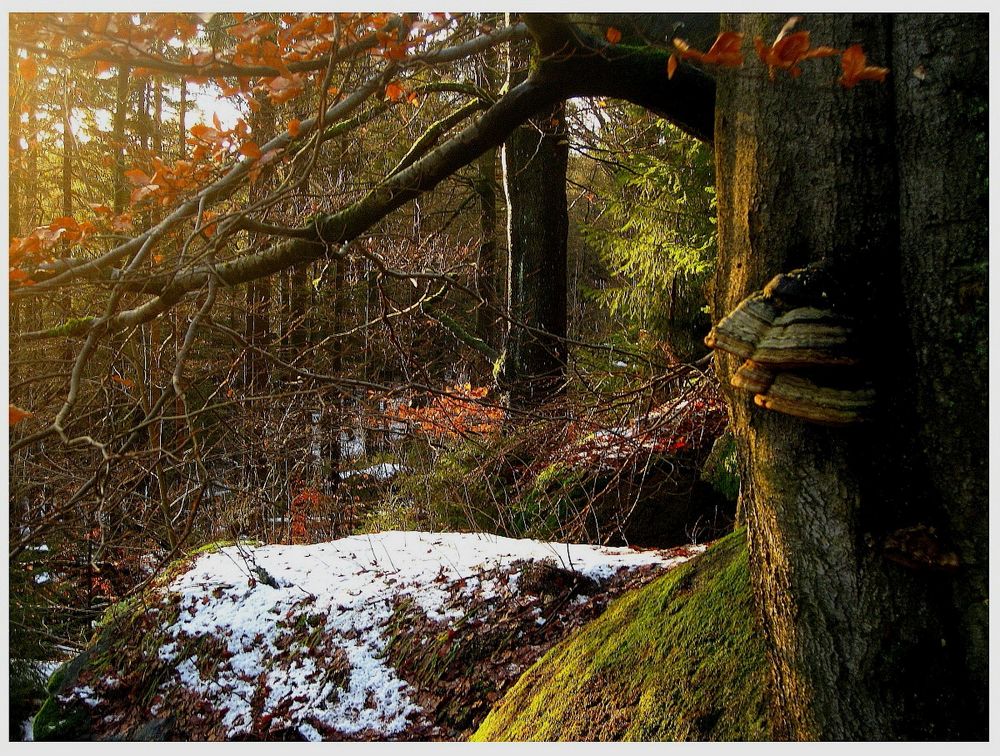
753	377
800	348
809	400
739	332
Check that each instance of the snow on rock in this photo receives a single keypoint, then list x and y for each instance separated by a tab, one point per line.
297	634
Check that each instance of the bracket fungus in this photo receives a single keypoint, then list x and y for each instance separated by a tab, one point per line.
801	350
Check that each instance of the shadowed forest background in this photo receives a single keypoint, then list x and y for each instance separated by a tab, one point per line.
291	278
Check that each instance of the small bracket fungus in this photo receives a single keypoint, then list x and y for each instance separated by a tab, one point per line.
919	547
801	350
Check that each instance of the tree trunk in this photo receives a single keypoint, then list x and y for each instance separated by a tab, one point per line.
862	646
486	264
118	139
534	171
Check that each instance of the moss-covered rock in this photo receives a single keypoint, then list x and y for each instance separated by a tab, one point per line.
681	659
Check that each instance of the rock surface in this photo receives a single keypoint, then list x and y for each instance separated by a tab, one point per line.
397	635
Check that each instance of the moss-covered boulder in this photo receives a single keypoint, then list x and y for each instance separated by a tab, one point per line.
680	659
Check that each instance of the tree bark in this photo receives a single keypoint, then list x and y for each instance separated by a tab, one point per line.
486	264
535	157
862	647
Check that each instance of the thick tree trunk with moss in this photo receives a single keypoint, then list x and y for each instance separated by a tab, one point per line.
534	173
888	180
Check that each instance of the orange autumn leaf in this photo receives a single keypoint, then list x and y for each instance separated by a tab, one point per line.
294	126
394	91
613	35
122	381
137	177
789	49
28	69
725	51
17	415
91	48
20	277
251	150
855	68
208	228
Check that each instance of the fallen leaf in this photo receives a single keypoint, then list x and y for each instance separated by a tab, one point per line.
294	126
17	415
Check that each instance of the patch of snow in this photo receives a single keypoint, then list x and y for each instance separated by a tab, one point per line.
86	694
382	471
349	587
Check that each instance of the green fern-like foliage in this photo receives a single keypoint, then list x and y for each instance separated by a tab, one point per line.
656	238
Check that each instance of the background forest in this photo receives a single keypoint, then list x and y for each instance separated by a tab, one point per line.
615	279
357	392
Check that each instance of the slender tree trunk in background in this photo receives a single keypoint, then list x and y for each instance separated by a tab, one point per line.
886	179
118	139
66	300
298	294
153	365
258	294
181	118
334	415
486	264
534	170
15	178
15	187
175	318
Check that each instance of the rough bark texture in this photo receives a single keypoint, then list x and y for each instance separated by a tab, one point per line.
534	171
486	263
863	648
942	100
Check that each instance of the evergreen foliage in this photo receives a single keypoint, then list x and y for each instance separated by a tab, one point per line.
656	238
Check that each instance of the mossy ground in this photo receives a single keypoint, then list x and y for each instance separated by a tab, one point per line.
680	659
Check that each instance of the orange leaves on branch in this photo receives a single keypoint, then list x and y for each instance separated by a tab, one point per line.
786	53
17	415
137	177
725	52
394	91
208	227
250	150
789	49
27	68
613	35
281	89
855	68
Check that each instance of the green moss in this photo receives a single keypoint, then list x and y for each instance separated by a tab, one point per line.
680	659
57	721
721	469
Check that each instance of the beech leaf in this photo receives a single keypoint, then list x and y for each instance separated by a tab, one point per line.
17	415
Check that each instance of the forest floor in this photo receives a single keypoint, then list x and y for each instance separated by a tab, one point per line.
395	635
